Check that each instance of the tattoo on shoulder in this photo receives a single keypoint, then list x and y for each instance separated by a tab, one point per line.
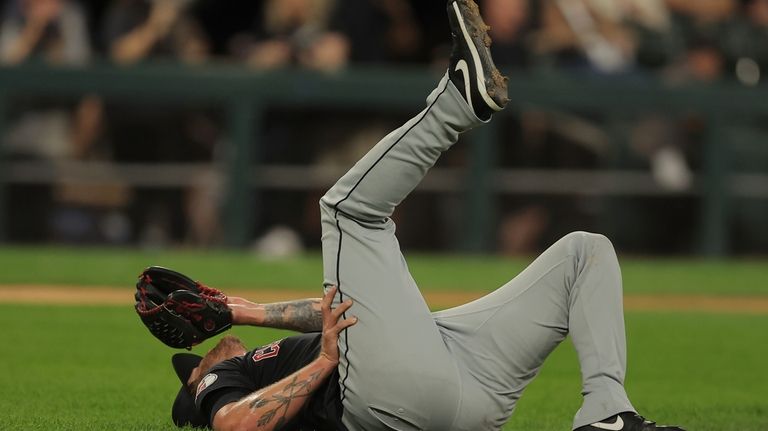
303	315
280	402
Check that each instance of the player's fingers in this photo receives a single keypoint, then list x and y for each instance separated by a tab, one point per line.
344	324
325	304
341	309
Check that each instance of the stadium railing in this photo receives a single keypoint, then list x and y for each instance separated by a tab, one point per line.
244	95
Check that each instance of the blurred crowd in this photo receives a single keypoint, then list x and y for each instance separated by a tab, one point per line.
676	41
702	39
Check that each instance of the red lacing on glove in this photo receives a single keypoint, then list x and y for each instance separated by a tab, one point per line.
142	308
211	294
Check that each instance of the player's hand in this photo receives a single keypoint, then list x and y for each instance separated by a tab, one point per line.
333	324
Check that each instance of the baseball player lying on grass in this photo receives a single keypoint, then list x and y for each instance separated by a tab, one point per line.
394	365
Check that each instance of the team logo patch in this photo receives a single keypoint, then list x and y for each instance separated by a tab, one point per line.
206	382
268	351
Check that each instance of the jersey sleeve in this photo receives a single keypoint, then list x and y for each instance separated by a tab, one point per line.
224	383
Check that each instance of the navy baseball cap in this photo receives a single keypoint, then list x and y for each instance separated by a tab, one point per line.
184	412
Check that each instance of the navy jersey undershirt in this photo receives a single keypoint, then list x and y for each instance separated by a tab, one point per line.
233	379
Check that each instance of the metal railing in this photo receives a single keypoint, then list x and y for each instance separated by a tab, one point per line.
244	95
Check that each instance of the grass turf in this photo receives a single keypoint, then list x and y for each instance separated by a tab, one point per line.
96	368
118	267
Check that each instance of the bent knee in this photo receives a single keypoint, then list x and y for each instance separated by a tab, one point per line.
327	209
583	241
325	203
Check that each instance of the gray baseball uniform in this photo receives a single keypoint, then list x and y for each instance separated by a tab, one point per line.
405	368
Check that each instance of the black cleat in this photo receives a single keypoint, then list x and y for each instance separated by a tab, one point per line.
472	70
627	421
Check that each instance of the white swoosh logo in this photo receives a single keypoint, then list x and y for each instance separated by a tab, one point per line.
616	426
464	68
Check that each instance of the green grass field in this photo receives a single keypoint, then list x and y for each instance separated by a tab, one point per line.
97	368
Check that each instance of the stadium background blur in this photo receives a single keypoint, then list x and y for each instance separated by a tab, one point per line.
640	119
200	134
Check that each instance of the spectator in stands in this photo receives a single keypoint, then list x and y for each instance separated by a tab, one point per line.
578	36
669	144
328	34
665	141
53	30
703	62
746	43
137	29
142	30
657	42
293	32
509	21
379	31
702	19
703	12
42	129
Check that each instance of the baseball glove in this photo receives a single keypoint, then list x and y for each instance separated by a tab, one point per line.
178	311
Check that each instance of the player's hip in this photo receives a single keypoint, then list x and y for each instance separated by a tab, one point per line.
434	398
406	396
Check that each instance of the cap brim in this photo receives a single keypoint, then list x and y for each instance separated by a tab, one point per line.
184	412
183	364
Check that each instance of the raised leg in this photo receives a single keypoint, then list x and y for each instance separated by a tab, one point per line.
395	370
394	365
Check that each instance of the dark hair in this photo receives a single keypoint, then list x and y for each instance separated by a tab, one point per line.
213	357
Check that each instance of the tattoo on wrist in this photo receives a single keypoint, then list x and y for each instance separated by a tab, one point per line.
282	400
302	316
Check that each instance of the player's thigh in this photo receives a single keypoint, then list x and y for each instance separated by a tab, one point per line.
366	264
504	337
394	359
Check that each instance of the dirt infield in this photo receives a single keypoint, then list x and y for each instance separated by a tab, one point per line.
77	295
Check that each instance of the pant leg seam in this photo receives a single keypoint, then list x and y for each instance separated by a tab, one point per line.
338	227
343	382
384	154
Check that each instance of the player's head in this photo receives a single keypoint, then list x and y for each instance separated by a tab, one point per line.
191	369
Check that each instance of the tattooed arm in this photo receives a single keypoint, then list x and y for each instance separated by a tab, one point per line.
270	408
302	315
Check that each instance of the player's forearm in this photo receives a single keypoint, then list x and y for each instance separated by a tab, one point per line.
302	315
270	408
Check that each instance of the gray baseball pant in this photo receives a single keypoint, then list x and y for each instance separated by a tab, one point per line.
405	368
